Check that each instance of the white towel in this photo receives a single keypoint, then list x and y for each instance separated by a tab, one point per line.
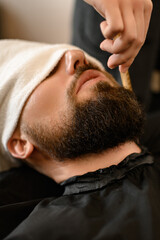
23	65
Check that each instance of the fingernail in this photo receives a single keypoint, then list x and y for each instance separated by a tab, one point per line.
112	67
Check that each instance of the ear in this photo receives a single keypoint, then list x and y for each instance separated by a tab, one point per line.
20	148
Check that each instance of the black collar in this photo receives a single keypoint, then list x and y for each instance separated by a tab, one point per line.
100	178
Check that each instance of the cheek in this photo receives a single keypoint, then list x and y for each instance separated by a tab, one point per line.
52	100
47	100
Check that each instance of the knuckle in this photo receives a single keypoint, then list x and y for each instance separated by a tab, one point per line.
117	28
123	58
139	4
146	5
149	5
127	60
140	42
103	25
114	29
131	38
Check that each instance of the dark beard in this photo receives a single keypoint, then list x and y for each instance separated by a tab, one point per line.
113	118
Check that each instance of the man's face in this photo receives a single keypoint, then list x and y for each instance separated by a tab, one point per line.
79	110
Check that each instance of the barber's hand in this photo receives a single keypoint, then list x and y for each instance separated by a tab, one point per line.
129	19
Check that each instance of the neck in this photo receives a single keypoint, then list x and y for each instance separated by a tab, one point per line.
61	171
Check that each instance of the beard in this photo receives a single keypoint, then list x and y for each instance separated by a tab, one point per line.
112	118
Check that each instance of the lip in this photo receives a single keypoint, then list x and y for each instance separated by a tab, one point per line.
90	75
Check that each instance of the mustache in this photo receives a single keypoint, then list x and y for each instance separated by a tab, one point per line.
78	73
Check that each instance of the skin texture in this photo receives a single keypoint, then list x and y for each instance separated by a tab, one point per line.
124	29
49	105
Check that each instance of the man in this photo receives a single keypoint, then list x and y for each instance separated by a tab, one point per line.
75	124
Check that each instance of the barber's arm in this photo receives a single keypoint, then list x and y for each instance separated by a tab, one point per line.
128	18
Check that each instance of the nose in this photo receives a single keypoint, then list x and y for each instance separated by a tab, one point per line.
73	60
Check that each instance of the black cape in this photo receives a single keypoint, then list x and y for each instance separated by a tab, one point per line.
119	202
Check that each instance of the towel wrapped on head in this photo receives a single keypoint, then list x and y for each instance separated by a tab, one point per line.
23	65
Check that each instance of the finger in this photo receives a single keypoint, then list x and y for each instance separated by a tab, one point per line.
103	27
140	25
114	46
107	45
147	15
118	59
129	35
124	67
113	24
127	38
122	58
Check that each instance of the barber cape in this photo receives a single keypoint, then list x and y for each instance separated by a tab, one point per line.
121	202
23	66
